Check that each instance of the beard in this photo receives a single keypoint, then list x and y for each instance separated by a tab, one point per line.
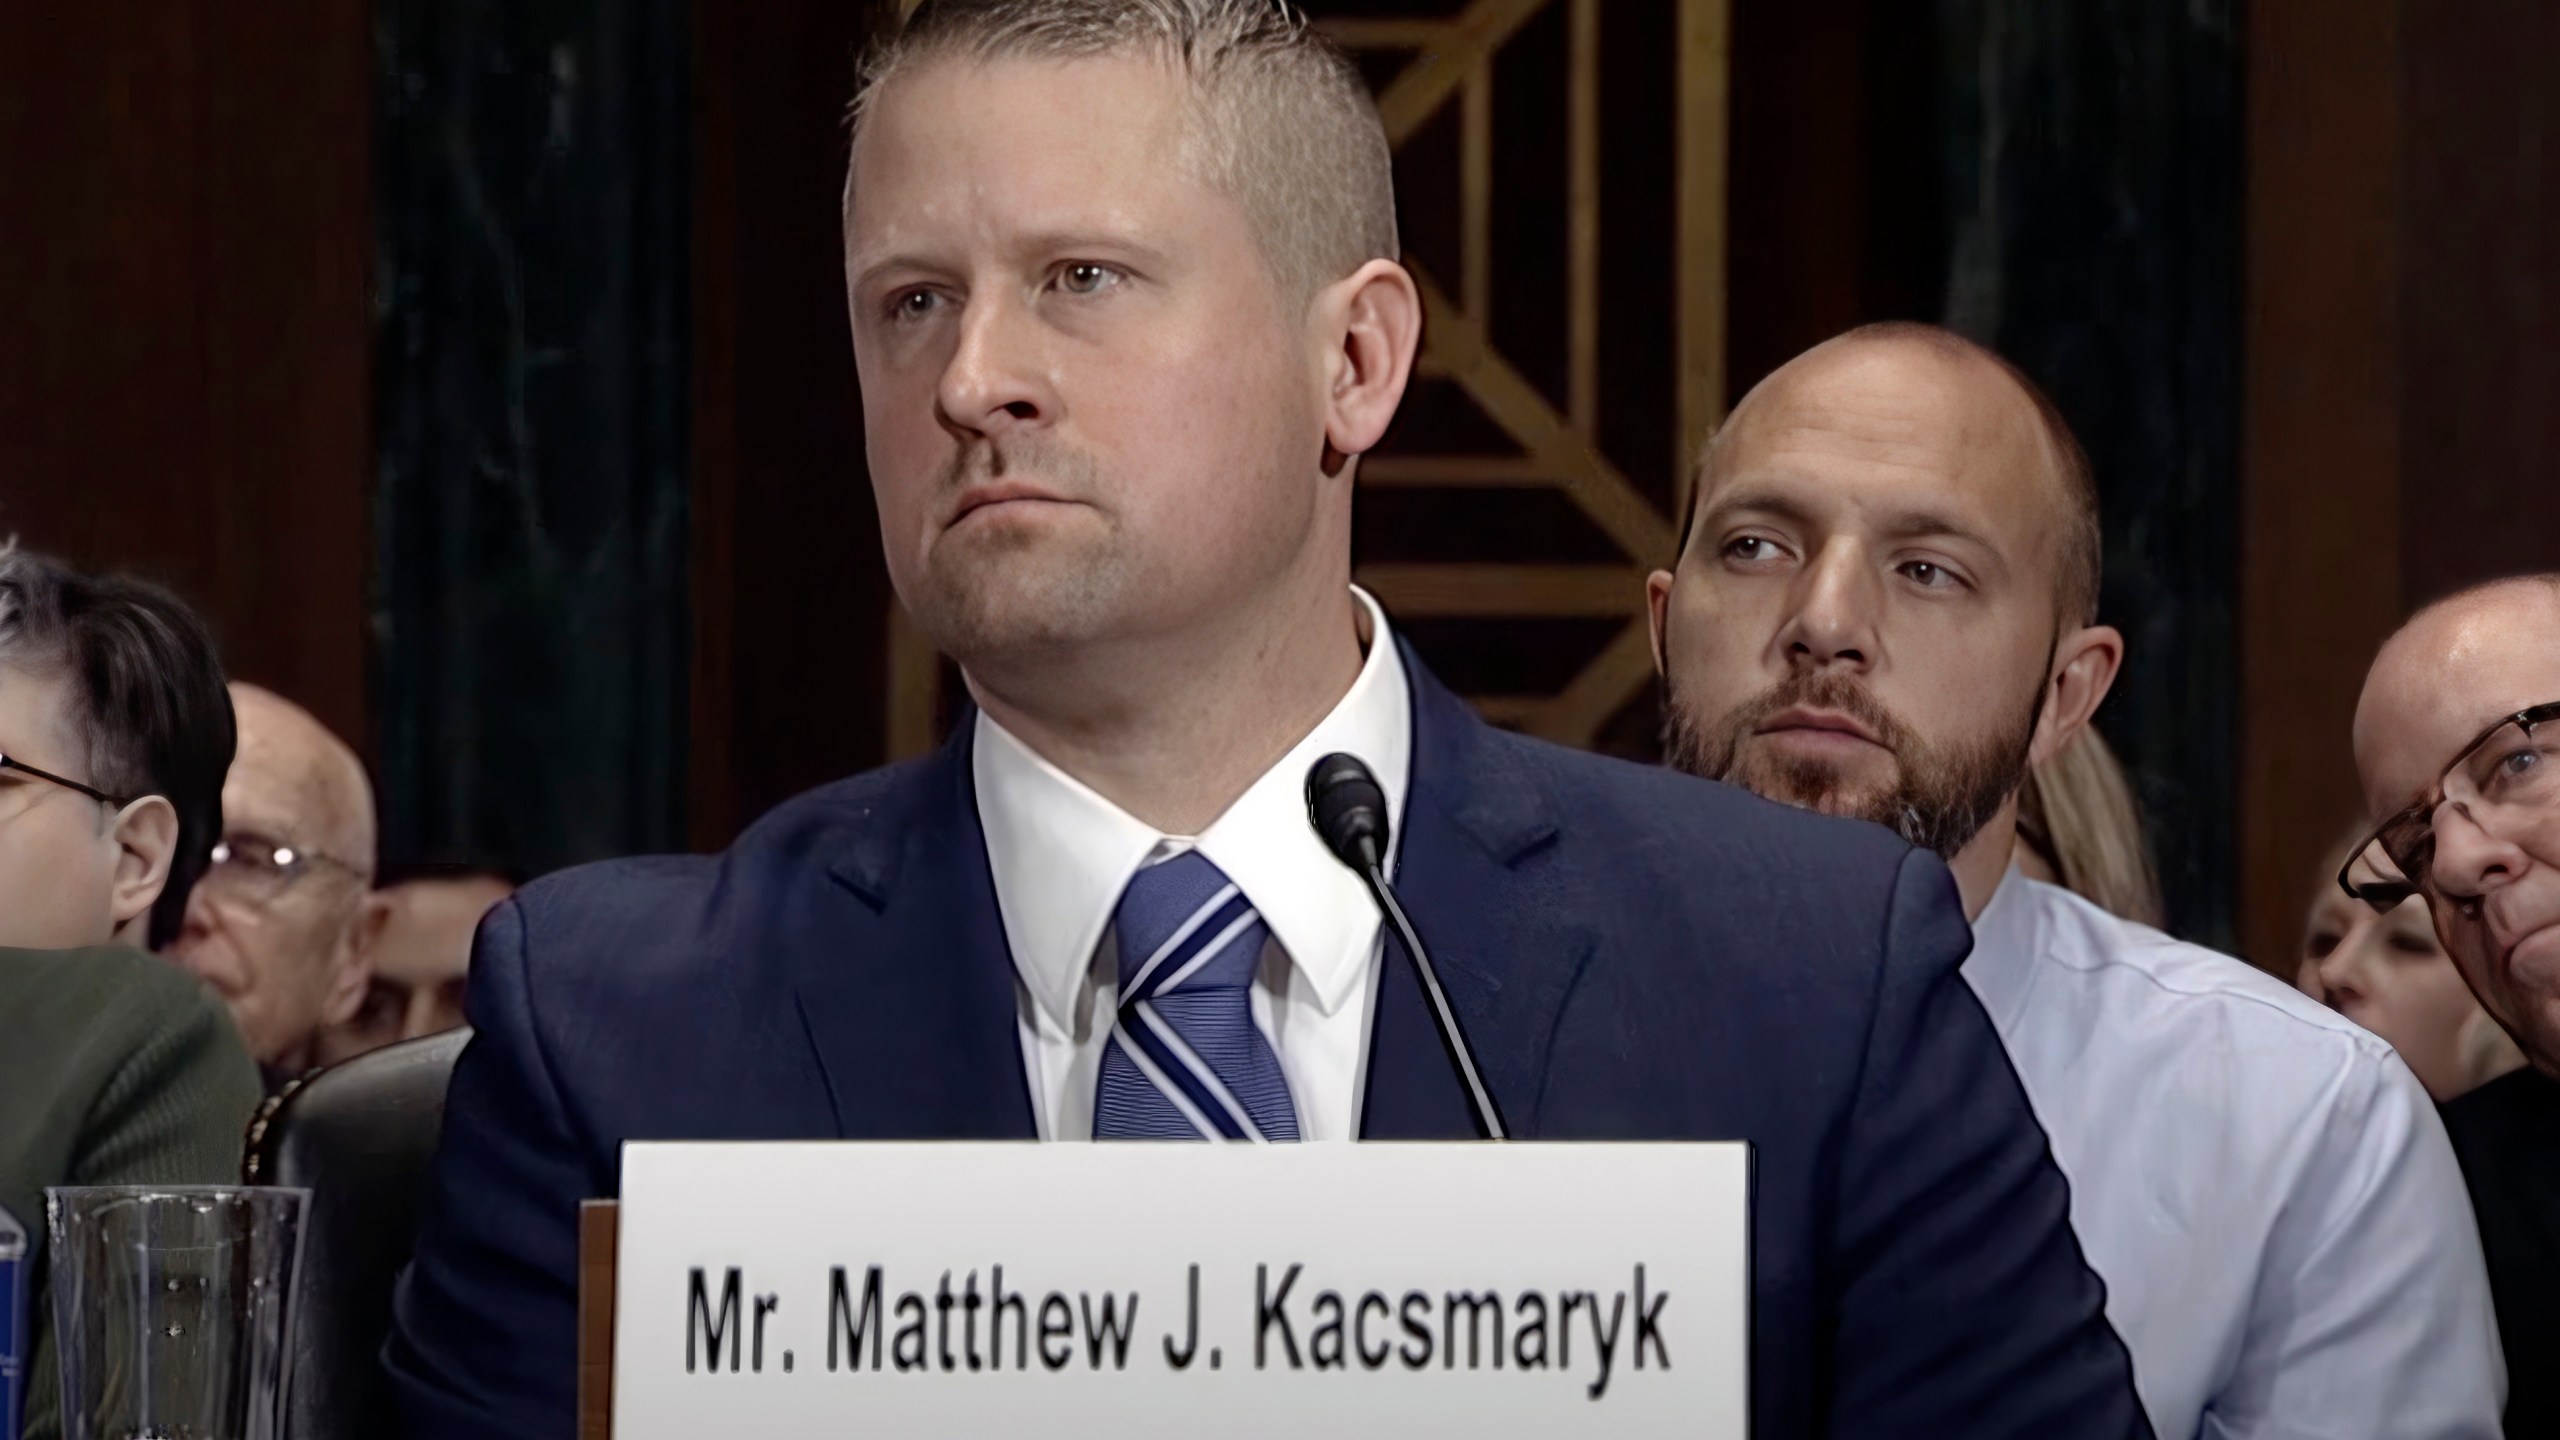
1940	796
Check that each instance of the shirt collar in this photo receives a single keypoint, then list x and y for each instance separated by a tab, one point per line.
2007	938
1061	854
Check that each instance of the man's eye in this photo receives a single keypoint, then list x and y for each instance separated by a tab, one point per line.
1926	575
914	304
1750	549
1087	278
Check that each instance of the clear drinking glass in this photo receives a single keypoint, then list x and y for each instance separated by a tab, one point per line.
170	1308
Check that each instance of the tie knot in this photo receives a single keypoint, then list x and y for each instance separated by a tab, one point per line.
1184	925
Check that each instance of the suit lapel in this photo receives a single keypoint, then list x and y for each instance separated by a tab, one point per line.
1475	821
914	1019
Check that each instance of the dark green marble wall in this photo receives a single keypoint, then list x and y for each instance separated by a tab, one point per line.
530	608
2084	220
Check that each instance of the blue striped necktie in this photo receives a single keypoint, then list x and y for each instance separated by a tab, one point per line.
1185	1060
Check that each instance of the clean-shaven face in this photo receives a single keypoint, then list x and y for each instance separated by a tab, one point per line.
278	960
1092	416
1864	618
58	849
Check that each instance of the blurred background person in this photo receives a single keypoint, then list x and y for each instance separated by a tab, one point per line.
416	941
275	924
114	735
2457	740
2080	828
1885	608
115	1068
2389	973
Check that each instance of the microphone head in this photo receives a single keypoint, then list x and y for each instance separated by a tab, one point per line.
1349	811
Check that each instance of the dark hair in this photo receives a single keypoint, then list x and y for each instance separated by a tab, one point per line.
2083	544
150	704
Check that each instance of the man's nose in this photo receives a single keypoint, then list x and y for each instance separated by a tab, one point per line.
2471	858
1834	620
997	379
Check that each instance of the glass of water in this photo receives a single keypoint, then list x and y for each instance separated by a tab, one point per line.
171	1307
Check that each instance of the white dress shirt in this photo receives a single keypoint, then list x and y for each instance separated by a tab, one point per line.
1062	855
2286	1242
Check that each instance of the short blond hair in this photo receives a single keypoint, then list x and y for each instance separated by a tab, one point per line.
1288	127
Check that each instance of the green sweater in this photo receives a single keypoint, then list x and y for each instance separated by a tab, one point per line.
116	1068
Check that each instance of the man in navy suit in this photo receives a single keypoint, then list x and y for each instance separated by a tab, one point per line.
1125	312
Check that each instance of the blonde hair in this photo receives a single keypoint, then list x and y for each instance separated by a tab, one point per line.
2077	810
1287	126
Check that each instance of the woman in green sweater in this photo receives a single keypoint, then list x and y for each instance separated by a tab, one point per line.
115	1067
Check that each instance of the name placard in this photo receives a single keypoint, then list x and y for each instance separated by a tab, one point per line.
1155	1289
1135	1290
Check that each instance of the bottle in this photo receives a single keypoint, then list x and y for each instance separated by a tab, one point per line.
14	1342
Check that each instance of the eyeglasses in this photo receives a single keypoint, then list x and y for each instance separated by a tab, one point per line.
49	777
2511	768
257	868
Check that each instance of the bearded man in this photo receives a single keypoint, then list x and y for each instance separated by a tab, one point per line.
1884	608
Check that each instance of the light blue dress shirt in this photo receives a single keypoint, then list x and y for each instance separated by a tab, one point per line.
2265	1189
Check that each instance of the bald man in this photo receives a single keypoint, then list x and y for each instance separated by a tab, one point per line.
274	924
1884	608
2457	742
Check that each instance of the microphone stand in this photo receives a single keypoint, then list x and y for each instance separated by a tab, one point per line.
1348	809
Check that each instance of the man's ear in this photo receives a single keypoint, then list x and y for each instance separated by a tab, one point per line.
1373	326
355	960
2084	669
1657	609
146	836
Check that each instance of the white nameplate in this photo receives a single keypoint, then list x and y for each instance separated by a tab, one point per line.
1137	1290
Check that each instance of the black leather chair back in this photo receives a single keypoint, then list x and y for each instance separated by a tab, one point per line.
360	1136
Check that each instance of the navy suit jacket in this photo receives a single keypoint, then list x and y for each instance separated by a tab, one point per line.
1633	954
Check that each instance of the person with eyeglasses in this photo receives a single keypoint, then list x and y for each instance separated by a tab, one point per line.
2457	742
276	925
115	1067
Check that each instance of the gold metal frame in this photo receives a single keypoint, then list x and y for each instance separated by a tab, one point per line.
1453	62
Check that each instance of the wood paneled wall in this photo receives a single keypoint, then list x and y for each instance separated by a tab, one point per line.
2403	349
183	322
2321	433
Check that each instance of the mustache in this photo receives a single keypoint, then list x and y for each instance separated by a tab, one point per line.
1943	796
1820	690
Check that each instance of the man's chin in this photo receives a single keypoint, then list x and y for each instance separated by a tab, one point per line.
1819	788
985	612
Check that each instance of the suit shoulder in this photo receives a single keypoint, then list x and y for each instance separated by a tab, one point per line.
1802	907
859	806
664	918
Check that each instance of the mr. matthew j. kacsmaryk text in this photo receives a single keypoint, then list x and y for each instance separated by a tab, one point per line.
978	1322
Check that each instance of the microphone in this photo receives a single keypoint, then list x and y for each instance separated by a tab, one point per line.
1349	811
